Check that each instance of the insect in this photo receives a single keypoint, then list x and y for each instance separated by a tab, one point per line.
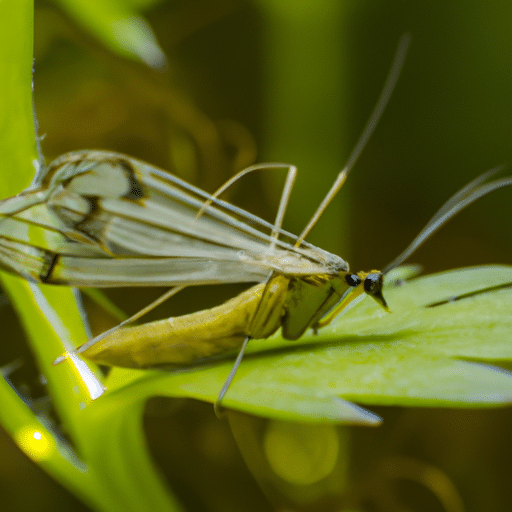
102	219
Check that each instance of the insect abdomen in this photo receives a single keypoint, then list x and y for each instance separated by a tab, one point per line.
187	339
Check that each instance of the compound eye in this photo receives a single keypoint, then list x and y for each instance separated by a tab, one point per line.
373	283
353	280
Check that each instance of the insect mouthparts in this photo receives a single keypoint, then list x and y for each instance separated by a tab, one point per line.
373	284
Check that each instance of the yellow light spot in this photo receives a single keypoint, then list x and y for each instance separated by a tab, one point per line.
301	454
35	443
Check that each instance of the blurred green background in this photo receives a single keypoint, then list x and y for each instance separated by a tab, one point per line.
254	81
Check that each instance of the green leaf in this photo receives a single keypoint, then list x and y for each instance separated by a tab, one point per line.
119	25
52	320
416	356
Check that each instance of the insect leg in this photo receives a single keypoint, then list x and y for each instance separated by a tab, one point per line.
349	300
160	300
285	195
283	203
265	319
217	405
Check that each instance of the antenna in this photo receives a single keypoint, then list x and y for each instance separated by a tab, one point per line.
464	197
375	116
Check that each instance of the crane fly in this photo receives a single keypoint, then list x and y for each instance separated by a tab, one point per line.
103	219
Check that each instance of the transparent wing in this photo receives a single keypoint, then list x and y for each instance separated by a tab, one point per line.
98	218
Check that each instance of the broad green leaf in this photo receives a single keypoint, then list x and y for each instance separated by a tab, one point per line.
419	355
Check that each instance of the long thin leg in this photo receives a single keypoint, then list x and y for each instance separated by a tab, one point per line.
283	203
216	406
168	294
285	194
